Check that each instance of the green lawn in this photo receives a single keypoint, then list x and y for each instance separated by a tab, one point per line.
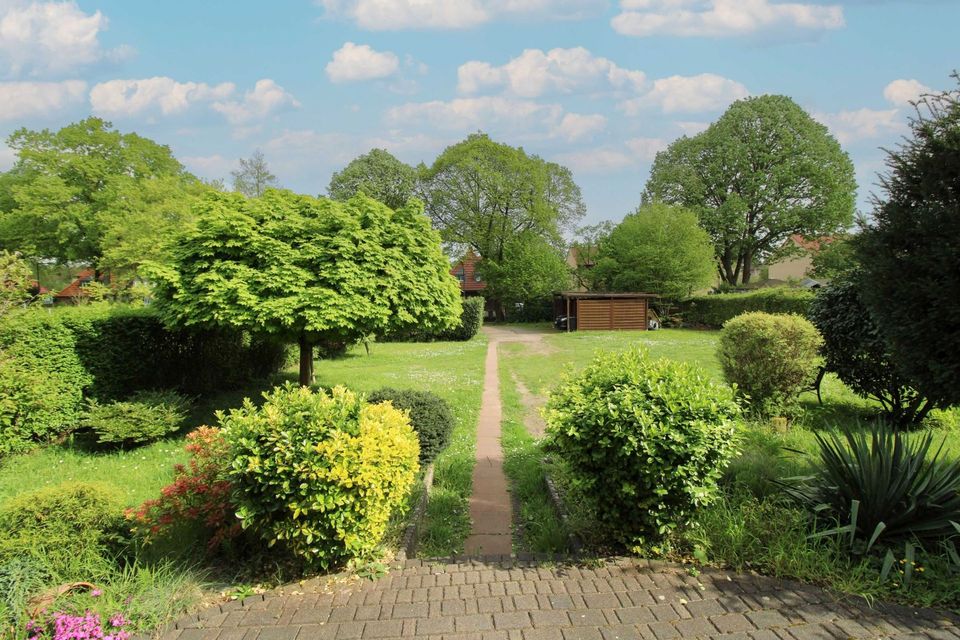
750	527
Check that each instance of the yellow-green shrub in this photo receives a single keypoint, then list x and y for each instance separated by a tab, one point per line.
320	473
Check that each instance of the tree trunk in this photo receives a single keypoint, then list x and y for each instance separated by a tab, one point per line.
306	361
747	266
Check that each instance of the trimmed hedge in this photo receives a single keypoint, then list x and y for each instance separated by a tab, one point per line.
715	309
430	417
50	361
471	319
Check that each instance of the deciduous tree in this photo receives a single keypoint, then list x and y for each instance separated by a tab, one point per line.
379	175
762	172
83	192
253	177
312	270
481	194
659	249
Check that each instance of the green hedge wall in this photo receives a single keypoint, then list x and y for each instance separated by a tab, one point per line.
471	319
108	352
713	310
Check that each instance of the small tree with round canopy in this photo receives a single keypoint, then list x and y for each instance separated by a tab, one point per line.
308	269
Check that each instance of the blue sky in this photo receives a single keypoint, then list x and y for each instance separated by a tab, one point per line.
596	85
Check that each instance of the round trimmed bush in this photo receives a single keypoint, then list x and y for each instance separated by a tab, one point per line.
430	417
320	473
646	441
770	358
146	416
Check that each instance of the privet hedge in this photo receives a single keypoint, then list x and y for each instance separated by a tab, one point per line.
50	361
715	309
318	473
471	319
647	440
770	358
430	417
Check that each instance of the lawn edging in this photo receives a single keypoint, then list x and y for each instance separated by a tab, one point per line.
556	499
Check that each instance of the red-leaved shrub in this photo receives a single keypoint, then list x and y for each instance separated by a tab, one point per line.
199	495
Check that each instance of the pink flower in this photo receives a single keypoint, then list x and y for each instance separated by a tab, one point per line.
118	620
96	593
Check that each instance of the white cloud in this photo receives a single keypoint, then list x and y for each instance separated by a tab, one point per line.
50	37
852	126
575	126
692	94
265	98
7	157
902	92
353	62
392	15
211	167
470	114
535	72
690	127
131	97
24	99
722	18
630	154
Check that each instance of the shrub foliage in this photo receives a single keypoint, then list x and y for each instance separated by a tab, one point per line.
855	349
910	250
646	440
51	362
770	358
430	417
715	309
67	528
320	473
146	416
199	496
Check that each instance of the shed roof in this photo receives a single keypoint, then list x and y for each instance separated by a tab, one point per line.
594	295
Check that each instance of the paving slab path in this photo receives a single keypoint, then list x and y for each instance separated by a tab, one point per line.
502	598
491	511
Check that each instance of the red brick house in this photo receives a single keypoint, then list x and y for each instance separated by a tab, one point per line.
471	284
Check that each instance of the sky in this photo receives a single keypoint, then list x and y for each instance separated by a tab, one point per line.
597	85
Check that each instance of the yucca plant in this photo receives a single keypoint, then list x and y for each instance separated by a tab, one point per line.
882	488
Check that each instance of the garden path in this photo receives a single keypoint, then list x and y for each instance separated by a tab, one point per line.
490	508
504	598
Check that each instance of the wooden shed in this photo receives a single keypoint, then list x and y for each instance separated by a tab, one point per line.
603	311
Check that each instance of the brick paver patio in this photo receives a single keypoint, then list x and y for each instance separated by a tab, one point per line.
508	599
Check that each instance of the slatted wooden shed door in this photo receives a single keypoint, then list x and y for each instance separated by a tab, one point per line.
611	314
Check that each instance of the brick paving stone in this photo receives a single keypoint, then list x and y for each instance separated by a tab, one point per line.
515	599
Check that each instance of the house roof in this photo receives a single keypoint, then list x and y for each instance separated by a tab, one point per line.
593	295
810	244
75	288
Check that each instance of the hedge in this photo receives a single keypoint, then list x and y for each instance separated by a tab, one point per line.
108	352
471	319
430	417
714	310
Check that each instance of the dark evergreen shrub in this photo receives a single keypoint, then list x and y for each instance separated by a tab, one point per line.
854	348
430	416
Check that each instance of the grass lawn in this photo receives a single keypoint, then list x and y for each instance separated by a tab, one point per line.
454	371
738	531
